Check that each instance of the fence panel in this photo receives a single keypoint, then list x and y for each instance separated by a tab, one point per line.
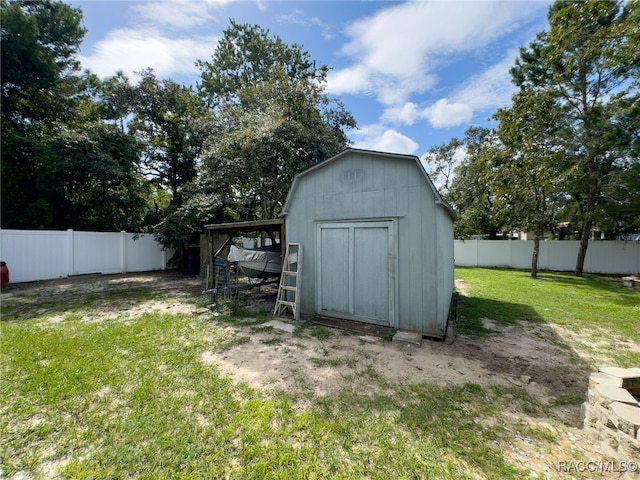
142	252
617	258
43	254
613	257
97	252
34	255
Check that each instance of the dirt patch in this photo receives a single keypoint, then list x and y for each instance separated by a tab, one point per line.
96	297
534	359
325	360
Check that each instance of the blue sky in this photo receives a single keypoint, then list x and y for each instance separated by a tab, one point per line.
414	74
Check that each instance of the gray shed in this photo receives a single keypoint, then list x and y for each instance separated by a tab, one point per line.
377	240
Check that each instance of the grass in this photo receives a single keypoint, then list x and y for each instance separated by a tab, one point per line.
131	397
599	305
120	399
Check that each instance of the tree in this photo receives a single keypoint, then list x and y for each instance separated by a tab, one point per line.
586	60
247	56
117	100
528	170
204	202
39	84
441	162
172	124
463	164
63	166
272	118
91	181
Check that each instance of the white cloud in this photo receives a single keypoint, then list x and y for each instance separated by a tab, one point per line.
299	17
492	88
485	92
397	50
394	142
132	50
444	114
406	114
349	80
376	137
176	14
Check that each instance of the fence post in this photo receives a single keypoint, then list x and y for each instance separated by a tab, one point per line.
475	256
123	251
70	252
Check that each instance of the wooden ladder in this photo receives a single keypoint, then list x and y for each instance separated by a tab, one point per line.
288	292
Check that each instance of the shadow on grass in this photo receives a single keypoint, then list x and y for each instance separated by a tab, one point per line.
513	341
473	310
609	287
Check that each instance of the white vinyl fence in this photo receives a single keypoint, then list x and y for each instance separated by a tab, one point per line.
560	255
45	254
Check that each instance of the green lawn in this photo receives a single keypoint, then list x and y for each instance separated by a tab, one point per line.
130	397
600	307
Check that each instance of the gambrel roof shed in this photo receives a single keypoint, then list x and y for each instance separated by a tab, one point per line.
377	239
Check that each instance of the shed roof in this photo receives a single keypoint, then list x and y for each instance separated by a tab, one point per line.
348	151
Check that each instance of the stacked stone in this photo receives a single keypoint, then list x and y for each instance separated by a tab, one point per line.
612	411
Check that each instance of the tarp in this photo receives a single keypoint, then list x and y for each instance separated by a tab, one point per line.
256	263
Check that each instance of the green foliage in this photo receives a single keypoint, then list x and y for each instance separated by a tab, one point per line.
39	41
247	55
171	122
62	167
528	171
271	117
468	192
587	63
82	153
565	155
91	180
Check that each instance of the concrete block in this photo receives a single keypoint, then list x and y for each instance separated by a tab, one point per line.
628	418
619	372
607	394
411	338
280	325
604	378
608	437
588	414
628	447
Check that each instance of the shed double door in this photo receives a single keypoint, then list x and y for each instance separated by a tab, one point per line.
356	271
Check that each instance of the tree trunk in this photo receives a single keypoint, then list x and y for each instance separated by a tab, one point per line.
584	243
586	228
534	257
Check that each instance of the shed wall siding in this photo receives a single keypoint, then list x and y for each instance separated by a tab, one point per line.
363	186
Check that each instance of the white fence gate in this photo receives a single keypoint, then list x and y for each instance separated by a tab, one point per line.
45	254
611	257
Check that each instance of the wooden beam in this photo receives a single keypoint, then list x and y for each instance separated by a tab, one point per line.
225	245
272	225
